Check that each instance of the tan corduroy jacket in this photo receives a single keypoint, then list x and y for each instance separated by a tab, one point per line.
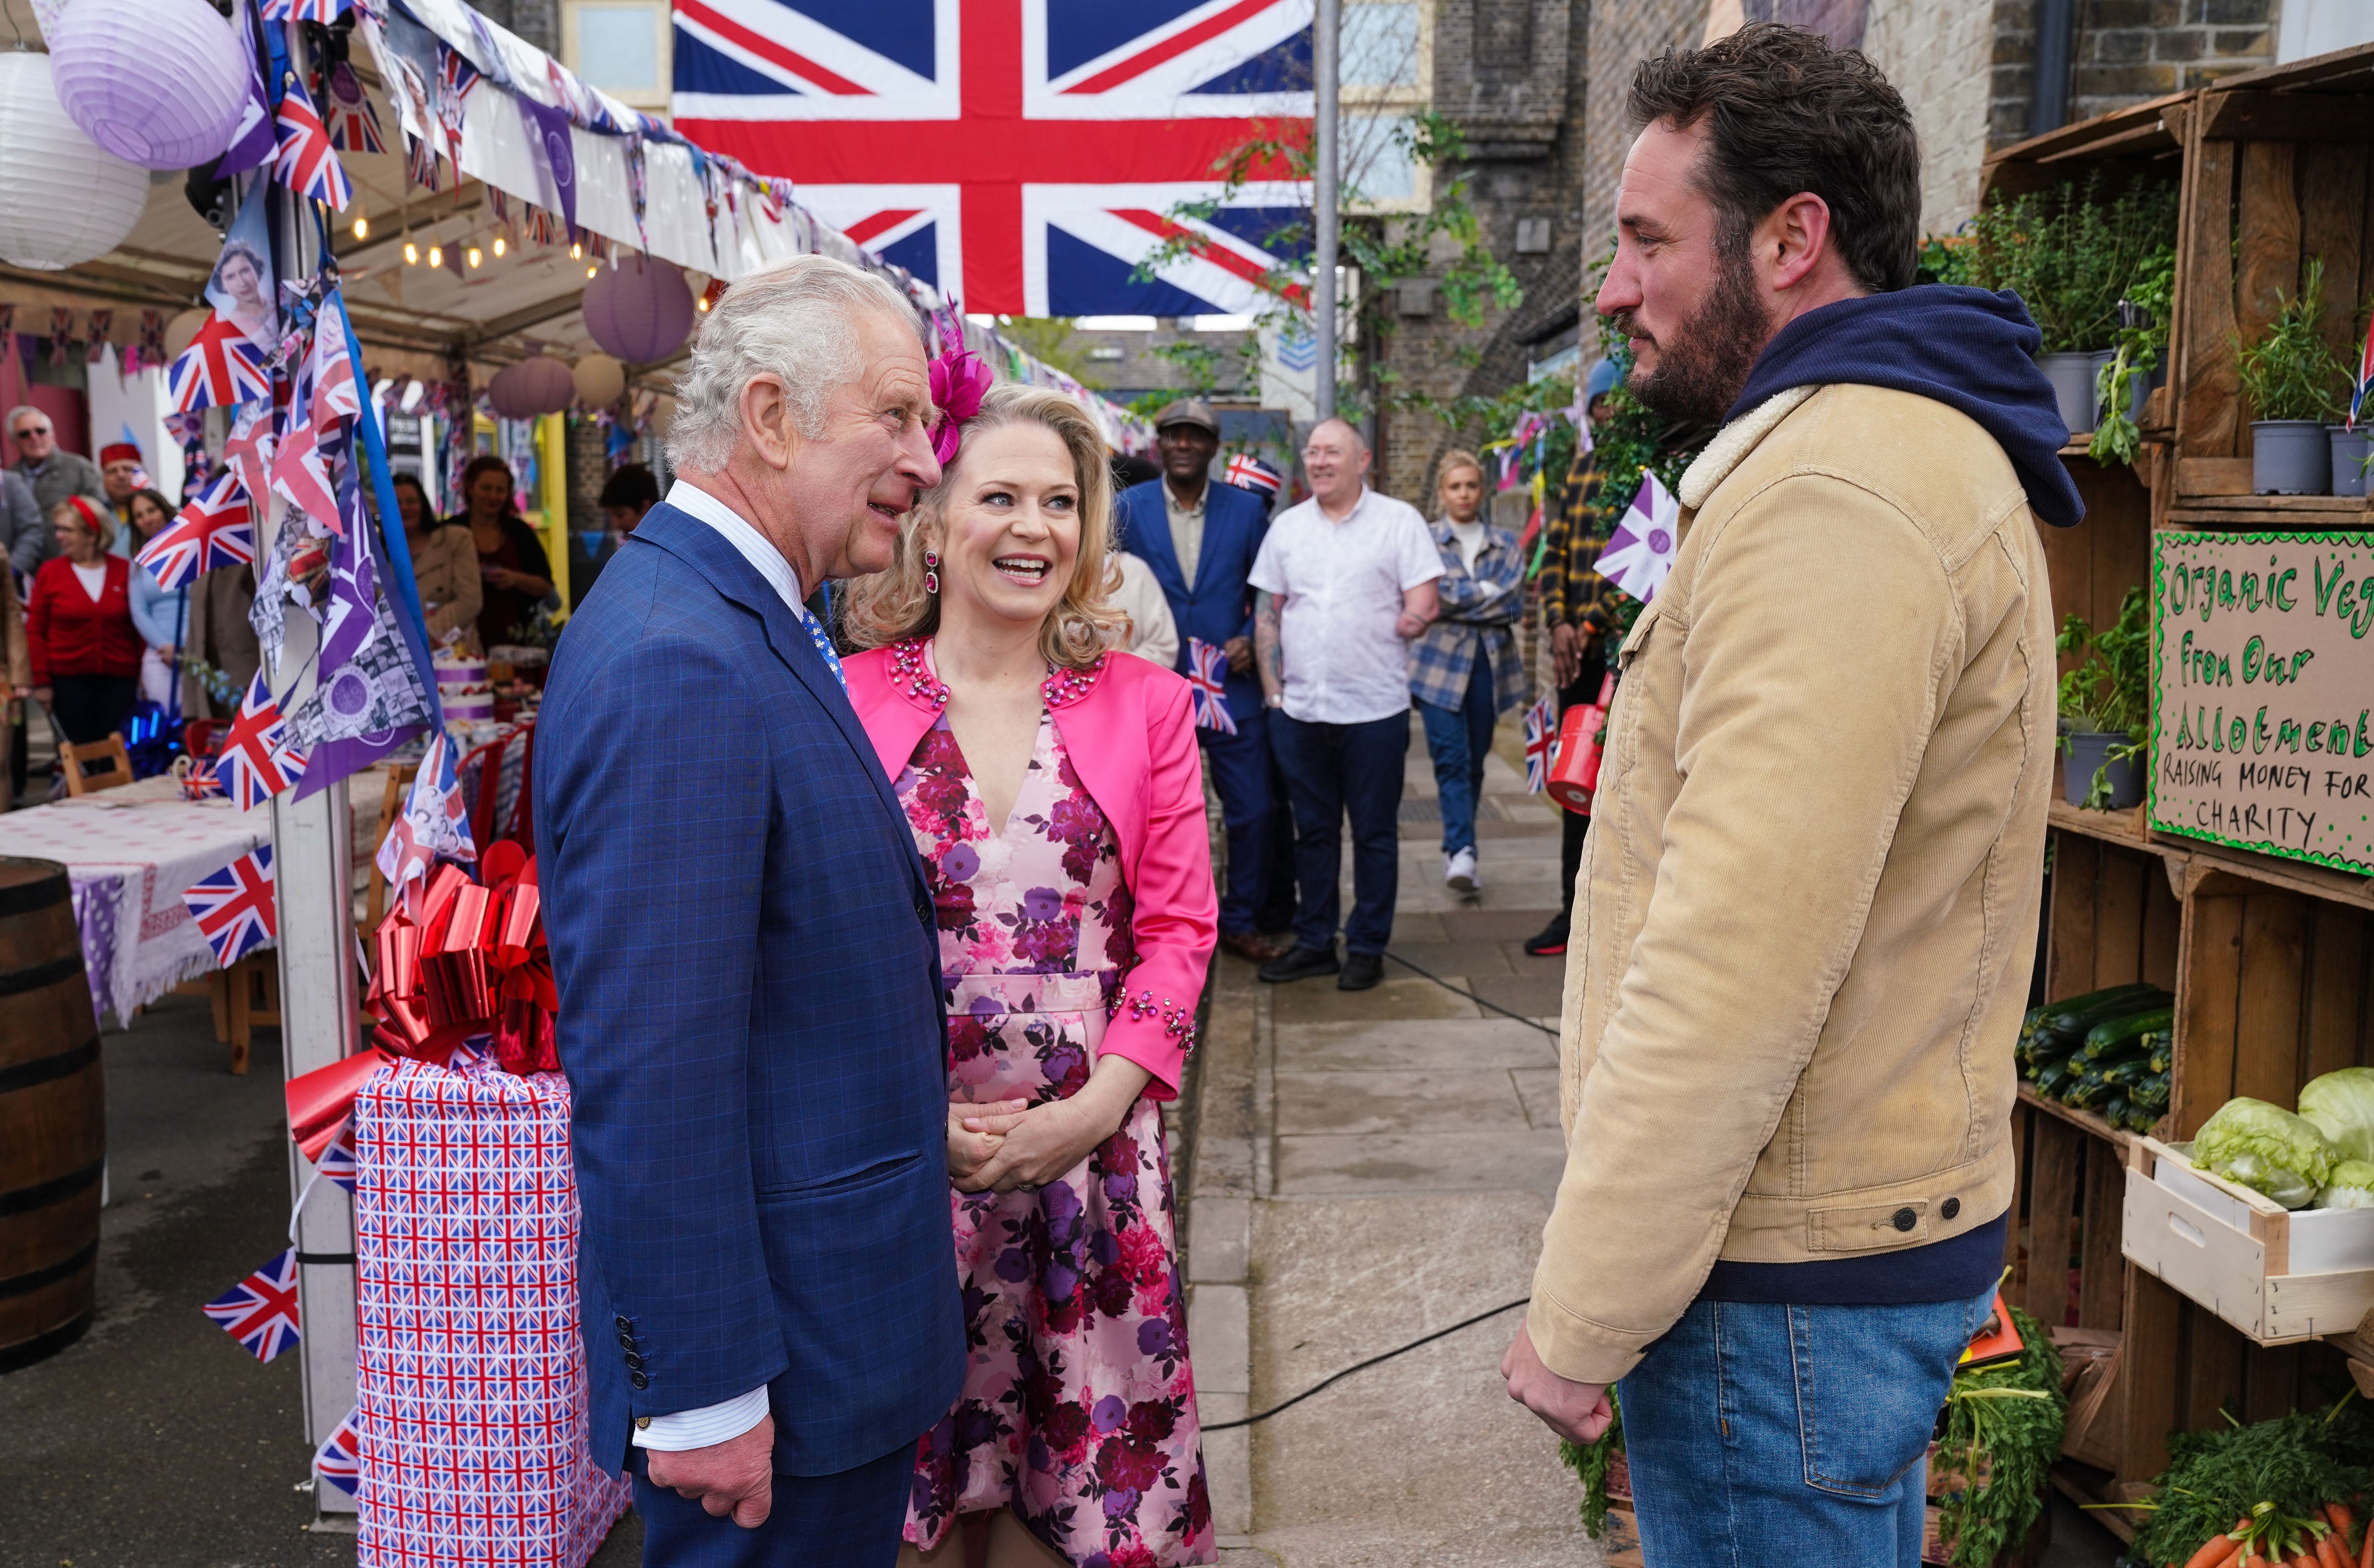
1809	909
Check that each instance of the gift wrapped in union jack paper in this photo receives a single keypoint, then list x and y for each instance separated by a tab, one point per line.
471	1407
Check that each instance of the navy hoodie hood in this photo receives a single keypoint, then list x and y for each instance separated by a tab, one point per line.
1967	348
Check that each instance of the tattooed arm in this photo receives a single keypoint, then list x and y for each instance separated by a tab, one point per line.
1268	657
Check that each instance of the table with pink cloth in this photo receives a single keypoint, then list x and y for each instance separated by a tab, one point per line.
129	853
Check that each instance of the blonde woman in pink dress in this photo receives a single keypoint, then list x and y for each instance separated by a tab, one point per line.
1055	792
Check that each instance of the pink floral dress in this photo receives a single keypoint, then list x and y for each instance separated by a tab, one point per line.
1079	1411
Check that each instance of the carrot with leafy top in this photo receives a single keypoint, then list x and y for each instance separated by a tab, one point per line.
2216	1549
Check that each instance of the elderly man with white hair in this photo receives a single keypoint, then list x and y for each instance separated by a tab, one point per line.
747	959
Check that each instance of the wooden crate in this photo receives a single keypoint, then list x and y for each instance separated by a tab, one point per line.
2270	1273
2276	170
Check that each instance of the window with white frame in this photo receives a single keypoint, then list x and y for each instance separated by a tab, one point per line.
621	47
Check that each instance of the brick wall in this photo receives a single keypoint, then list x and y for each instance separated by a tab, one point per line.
1937	57
2127	51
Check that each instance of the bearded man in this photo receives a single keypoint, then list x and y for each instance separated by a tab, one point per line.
1803	939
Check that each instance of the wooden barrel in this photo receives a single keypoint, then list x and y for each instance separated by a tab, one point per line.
53	1117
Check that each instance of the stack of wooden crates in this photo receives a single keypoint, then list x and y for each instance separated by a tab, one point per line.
2271	960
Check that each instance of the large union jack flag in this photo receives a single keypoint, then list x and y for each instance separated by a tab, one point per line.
1023	156
233	906
260	1311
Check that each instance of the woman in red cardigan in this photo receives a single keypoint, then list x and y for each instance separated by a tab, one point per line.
1055	792
86	651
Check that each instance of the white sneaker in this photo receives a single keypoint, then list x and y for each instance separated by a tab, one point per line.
1459	872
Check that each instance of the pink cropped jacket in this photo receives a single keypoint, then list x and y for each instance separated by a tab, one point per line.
1130	729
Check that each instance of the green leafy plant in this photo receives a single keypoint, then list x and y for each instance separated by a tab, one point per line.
2290	372
2142	338
2070	254
2109	691
1591	1463
1384	250
2002	1433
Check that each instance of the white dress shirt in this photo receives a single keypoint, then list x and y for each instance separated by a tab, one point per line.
716	1424
754	545
1342	583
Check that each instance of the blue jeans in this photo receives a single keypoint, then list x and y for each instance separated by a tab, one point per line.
1240	765
1760	1433
1459	740
1334	771
850	1520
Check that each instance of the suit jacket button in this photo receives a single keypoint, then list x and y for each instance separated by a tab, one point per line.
639	1380
1905	1219
634	1361
624	1327
1951	1207
626	1340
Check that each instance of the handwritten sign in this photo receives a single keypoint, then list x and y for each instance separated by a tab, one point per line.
2263	718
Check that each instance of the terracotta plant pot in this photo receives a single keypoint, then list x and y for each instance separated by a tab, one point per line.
2289	457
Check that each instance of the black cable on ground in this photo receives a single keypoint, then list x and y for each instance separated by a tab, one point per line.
1456	990
1372	1360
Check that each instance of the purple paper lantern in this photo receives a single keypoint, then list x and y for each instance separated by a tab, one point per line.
640	310
158	83
538	384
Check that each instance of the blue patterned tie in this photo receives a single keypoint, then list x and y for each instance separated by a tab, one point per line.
823	644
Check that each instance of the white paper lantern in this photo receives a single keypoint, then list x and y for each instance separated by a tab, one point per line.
64	198
180	329
159	82
601	380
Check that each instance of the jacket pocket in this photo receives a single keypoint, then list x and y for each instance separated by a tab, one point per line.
857	1180
1636	638
1870	1383
1867	1227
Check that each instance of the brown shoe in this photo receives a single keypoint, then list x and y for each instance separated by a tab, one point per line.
1251	946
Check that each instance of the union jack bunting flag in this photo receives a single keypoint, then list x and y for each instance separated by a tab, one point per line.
435	824
233	906
354	123
260	1311
1207	678
336	397
248	449
305	162
1025	155
339	1460
1541	745
2365	375
1247	472
221	367
301	470
337	1161
217	529
256	761
322	11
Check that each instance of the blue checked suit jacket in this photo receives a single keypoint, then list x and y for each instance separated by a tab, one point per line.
750	1019
1218	605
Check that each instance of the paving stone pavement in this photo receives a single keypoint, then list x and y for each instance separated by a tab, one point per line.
1372	1168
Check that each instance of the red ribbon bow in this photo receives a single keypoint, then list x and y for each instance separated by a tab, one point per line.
473	963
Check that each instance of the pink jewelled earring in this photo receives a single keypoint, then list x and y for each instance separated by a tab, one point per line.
931	571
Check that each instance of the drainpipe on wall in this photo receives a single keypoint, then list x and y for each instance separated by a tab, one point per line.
2047	108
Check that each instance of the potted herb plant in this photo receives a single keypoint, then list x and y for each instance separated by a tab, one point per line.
2106	706
2294	385
2072	254
2133	366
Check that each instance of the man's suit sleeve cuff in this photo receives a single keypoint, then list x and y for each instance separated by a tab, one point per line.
702	1428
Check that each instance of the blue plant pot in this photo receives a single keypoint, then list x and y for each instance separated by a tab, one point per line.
2087	751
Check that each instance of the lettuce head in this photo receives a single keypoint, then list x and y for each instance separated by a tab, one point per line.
2268	1150
2342	1105
2352	1187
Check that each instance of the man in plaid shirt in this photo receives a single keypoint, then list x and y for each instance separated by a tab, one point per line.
1577	604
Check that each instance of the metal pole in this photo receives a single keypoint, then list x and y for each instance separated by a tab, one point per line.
1325	35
